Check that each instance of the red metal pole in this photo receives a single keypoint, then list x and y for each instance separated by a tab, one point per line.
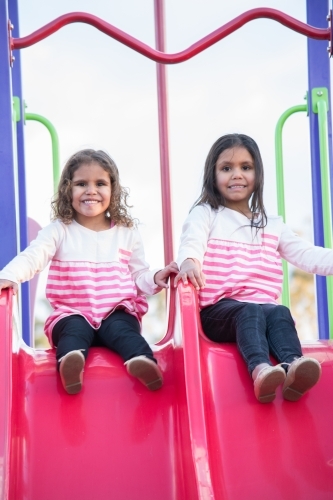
163	133
185	55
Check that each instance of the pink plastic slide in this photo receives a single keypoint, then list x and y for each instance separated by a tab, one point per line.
202	436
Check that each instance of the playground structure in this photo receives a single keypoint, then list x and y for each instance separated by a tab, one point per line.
203	436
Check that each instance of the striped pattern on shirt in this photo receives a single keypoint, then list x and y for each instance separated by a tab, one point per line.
92	290
248	272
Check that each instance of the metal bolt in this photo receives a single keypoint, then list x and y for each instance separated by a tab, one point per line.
328	17
13	58
319	93
11	26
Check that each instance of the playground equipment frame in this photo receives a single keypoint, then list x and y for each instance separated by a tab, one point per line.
203	368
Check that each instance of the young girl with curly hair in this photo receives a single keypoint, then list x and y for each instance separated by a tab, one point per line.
98	276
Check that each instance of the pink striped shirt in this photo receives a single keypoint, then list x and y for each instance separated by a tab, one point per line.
91	273
241	262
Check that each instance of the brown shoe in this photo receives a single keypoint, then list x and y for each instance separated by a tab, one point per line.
146	370
267	381
303	374
71	371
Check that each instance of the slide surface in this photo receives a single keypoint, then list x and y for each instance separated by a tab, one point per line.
277	451
196	438
114	440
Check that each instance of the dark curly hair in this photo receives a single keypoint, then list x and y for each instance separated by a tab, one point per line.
210	193
62	204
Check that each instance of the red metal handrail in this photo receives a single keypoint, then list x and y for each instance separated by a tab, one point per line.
155	55
162	100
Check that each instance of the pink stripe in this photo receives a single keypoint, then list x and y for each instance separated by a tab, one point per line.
238	284
125	252
124	261
230	292
245	280
141	308
240	261
235	252
268	245
118	277
232	245
87	297
223	251
253	279
75	269
255	271
246	247
270	236
265	274
235	248
246	294
86	309
92	288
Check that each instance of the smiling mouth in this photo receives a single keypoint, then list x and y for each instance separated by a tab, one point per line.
90	202
236	186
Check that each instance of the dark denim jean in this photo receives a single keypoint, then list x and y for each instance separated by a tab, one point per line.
258	329
120	332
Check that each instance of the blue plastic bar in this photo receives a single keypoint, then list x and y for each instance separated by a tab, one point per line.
326	196
318	76
8	225
27	330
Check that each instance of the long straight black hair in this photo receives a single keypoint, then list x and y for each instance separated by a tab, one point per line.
210	193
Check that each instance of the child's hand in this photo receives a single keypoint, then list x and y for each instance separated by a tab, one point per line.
190	269
162	276
8	284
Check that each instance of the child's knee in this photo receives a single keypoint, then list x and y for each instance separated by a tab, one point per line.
281	312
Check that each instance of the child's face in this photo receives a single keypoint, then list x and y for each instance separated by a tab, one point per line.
91	193
235	177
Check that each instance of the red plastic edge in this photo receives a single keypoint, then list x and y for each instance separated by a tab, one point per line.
5	387
194	390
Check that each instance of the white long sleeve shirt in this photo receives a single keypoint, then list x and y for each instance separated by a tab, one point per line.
241	262
91	273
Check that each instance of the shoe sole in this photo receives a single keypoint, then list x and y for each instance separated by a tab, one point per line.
147	372
270	383
306	375
71	373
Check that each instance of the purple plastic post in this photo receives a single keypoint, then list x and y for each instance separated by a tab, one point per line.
318	76
8	238
27	330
